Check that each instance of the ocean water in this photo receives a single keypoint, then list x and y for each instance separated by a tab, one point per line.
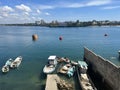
17	41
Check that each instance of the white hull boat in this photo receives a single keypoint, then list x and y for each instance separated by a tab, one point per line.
16	62
52	63
5	69
48	69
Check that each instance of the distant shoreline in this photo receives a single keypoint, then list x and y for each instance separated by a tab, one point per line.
59	26
77	23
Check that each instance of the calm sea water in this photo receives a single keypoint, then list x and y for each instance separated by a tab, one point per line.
17	41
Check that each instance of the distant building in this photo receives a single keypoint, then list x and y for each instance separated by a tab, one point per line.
41	22
94	22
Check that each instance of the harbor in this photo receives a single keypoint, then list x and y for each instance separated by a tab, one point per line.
17	41
86	82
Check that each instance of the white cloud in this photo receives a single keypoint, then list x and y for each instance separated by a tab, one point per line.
1	17
47	13
86	4
38	11
6	9
46	7
98	2
111	7
23	7
26	13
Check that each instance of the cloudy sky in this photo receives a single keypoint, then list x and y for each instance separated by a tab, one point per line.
23	11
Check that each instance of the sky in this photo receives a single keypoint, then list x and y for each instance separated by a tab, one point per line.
29	11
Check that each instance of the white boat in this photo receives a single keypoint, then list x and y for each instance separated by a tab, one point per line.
9	62
5	69
83	66
16	62
52	63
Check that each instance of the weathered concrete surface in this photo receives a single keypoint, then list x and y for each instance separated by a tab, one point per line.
51	83
109	71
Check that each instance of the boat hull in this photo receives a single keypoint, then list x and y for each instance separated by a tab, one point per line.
16	62
5	69
48	69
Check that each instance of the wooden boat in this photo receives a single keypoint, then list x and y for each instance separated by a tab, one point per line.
63	59
5	69
84	80
67	69
52	63
16	62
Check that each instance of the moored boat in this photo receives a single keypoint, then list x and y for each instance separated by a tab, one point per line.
52	63
16	62
83	66
9	62
84	79
67	69
5	69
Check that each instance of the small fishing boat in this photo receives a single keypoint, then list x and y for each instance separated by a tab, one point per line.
67	69
16	62
84	79
9	62
5	69
52	63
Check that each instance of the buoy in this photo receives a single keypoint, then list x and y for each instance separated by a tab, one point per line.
60	38
105	35
34	36
119	53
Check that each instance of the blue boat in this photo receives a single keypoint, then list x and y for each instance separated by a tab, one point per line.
67	69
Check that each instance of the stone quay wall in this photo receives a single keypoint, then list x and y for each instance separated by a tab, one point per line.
109	71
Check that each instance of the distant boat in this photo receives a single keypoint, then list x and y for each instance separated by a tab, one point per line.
5	68
16	62
52	63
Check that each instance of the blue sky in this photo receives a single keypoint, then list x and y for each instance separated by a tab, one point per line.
23	11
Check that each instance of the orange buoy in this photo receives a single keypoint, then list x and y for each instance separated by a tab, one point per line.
34	36
60	38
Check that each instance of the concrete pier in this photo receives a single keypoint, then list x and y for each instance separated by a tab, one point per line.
110	72
51	83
